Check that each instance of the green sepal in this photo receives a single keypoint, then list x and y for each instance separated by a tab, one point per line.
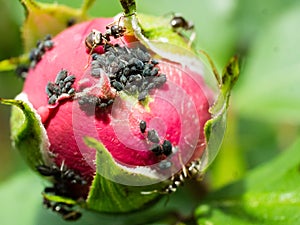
43	19
12	63
214	128
158	36
59	199
229	77
159	29
109	196
269	194
27	132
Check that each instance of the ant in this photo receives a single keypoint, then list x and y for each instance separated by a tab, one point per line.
179	23
96	38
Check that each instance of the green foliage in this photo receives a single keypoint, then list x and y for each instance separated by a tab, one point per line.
270	194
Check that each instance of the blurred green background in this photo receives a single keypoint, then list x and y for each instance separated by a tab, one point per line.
264	113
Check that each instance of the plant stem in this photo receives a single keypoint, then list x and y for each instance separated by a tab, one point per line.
129	7
86	5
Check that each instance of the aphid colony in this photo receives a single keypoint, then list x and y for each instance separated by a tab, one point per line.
130	70
64	181
36	54
62	86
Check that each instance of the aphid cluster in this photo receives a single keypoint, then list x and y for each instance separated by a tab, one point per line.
64	182
62	85
162	149
132	71
159	149
36	54
93	101
96	38
152	136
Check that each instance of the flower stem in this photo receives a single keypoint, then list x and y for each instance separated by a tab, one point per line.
128	6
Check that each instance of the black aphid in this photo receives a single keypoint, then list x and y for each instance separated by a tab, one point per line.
143	126
153	136
52	100
70	78
167	148
71	22
156	149
61	76
118	85
142	95
22	71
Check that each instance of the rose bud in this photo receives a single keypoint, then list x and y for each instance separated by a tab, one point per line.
114	123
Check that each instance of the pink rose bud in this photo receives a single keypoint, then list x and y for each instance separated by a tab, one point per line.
118	119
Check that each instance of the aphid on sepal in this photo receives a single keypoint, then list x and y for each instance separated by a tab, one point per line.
36	54
63	209
64	181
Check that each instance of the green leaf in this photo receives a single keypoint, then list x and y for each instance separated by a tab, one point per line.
28	133
21	194
269	194
43	19
108	192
